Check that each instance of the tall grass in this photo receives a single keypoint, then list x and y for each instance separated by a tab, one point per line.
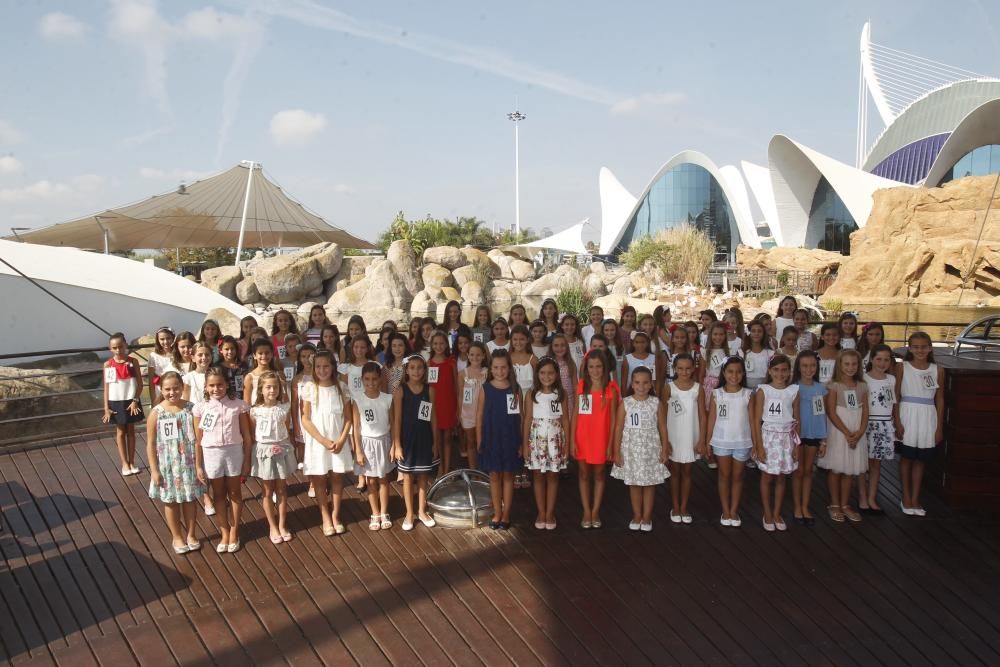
683	254
577	301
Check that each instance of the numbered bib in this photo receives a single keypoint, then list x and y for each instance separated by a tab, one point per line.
424	411
748	362
818	406
265	429
773	409
722	412
512	407
239	384
676	407
282	351
851	399
468	393
110	375
432	374
717	359
478	337
825	371
369	415
888	395
928	380
635	419
356	382
167	427
209	420
289	373
555	407
586	406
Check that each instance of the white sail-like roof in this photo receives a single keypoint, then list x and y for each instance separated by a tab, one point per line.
617	203
115	293
568	240
979	128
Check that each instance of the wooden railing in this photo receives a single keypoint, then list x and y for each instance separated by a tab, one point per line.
761	281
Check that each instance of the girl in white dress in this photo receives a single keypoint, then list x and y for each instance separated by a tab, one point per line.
757	354
684	401
807	339
785	317
881	433
919	417
846	445
774	413
160	361
274	460
828	352
639	357
500	336
546	425
194	380
730	436
326	420
848	323
539	347
641	448
373	443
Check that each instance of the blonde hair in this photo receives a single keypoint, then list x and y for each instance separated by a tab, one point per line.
838	367
266	376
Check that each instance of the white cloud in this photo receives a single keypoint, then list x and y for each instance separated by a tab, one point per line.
145	137
40	190
57	25
10	165
296	126
10	134
344	189
647	100
139	24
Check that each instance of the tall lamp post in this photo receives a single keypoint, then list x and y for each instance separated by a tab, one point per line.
517	117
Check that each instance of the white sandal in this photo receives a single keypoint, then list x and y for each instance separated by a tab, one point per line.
386	523
374	524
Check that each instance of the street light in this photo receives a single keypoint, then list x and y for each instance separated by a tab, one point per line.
516	117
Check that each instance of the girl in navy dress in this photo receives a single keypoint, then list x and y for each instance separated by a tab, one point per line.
415	437
498	436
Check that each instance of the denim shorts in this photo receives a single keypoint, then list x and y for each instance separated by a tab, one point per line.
740	455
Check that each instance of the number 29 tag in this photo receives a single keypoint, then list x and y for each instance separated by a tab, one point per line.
586	406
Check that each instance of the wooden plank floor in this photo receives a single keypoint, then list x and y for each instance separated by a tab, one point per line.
88	577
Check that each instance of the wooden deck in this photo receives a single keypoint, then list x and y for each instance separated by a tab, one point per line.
89	578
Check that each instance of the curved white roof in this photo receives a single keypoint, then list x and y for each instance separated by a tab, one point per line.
115	293
612	228
568	240
980	127
759	179
796	171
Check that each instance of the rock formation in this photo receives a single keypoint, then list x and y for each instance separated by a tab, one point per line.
920	245
789	259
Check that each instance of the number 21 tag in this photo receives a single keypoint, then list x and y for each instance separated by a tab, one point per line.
467	395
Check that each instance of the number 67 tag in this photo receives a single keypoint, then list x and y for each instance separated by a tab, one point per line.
167	426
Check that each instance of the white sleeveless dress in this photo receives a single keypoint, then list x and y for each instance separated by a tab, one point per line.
917	410
777	420
327	415
683	423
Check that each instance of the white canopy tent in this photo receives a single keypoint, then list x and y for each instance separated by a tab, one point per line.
568	240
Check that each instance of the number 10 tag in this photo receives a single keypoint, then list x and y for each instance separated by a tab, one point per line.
424	411
635	419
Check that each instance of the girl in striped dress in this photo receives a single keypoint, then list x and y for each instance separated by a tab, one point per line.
567	368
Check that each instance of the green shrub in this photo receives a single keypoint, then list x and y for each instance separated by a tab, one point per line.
783	278
833	308
577	301
683	255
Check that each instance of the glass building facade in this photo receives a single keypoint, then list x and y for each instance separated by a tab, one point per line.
911	163
686	195
830	223
981	161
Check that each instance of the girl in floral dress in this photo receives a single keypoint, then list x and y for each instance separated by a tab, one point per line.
546	422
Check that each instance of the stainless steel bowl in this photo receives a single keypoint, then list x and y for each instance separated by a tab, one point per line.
461	499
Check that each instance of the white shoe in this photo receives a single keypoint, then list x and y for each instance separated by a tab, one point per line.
676	518
736	523
686	518
726	522
646	527
274	498
210	510
301	466
633	525
312	493
919	511
134	470
906	510
407	525
126	471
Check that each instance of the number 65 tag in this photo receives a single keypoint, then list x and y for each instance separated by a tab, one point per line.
209	420
424	411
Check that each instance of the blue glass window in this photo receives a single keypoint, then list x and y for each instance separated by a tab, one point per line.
829	220
911	163
685	195
981	161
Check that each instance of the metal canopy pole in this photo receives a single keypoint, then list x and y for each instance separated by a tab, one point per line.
246	204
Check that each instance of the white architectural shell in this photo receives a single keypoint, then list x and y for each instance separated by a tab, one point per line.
979	128
568	240
614	197
117	294
796	171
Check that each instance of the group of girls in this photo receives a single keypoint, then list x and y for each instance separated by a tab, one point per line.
642	394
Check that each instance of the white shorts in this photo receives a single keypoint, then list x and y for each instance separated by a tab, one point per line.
223	461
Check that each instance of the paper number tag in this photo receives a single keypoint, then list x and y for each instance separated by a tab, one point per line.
265	429
928	381
717	359
369	416
478	337
467	395
773	409
424	411
676	407
239	384
432	374
356	382
555	407
282	351
634	419
512	407
167	428
818	406
749	364
851	399
209	420
110	375
289	373
888	395
585	407
722	412
825	370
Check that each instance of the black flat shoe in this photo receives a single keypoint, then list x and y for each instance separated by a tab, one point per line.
801	520
504	525
810	521
495	525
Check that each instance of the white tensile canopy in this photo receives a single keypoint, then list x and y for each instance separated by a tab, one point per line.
205	214
568	240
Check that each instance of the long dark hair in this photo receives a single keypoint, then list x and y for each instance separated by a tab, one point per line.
863	340
499	353
729	362
537	386
261	343
587	385
880	347
390	358
293	326
919	335
797	366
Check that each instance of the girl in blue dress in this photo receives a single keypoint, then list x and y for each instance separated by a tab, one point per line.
498	436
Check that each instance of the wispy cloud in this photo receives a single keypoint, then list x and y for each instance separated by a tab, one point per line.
10	165
138	23
250	37
39	190
9	134
296	126
173	174
58	25
647	101
481	59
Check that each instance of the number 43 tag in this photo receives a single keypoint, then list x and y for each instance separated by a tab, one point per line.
424	411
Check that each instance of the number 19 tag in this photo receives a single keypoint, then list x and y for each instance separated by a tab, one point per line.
818	407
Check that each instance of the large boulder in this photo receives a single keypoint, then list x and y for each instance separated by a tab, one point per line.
386	291
501	294
222	279
924	244
435	275
593	285
403	261
550	284
447	256
296	275
352	269
425	303
247	292
789	259
473	294
622	286
521	270
229	322
450	294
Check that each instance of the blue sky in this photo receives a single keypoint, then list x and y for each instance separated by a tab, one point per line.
363	109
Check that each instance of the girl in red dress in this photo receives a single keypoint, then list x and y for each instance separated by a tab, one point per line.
590	441
441	375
